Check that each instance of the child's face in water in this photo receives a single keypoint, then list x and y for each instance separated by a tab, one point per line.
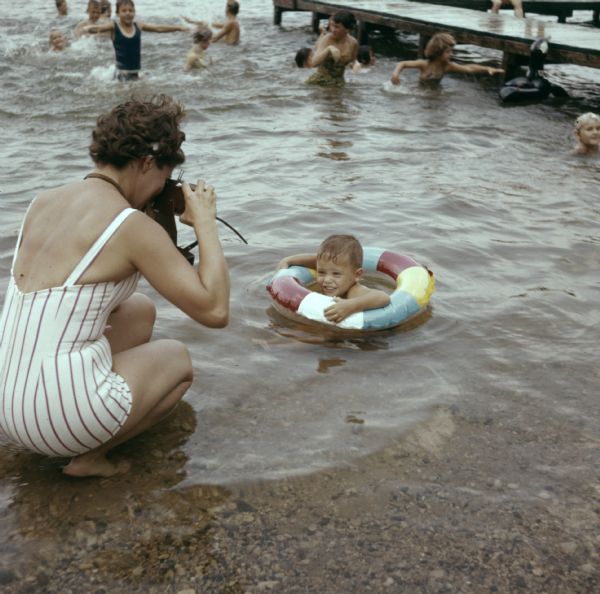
589	133
336	278
94	13
447	54
126	13
57	41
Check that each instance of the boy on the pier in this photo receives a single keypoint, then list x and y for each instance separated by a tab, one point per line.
516	4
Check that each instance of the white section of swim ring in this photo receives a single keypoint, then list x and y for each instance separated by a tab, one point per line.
314	304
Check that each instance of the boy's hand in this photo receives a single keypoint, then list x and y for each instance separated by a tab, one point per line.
338	311
283	264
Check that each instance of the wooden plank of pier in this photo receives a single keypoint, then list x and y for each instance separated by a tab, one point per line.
562	9
571	44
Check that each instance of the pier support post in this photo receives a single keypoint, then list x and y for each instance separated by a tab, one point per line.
423	41
362	33
277	13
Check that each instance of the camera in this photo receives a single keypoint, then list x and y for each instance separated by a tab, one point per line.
171	198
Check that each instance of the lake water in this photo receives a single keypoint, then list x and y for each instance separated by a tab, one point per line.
489	198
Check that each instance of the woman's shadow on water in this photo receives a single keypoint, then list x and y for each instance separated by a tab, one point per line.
49	518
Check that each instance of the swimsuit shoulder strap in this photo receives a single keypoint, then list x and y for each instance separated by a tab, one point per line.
18	245
91	254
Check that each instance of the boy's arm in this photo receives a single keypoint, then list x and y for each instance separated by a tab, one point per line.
161	28
306	260
203	24
342	308
98	28
405	64
472	69
226	28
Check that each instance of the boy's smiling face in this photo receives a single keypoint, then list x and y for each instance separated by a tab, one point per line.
336	278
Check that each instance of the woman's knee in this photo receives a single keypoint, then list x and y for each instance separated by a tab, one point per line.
179	356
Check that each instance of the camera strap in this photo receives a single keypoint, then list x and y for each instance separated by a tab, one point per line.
107	179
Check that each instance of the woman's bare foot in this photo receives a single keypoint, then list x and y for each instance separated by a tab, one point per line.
92	464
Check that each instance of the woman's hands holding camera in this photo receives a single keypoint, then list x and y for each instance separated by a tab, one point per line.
200	203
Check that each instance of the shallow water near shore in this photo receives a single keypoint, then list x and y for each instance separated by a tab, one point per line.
284	421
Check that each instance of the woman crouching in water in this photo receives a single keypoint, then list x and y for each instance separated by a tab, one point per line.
79	373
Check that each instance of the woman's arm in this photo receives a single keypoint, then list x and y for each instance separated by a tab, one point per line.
472	69
203	294
406	64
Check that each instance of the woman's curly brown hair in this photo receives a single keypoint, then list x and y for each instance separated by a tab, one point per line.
138	128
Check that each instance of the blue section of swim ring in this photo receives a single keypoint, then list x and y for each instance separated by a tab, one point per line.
371	257
304	275
402	305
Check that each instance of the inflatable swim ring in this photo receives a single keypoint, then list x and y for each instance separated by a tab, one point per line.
414	287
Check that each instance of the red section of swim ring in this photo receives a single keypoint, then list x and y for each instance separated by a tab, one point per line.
288	291
393	264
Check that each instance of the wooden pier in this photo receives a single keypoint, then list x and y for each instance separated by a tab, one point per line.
562	9
571	44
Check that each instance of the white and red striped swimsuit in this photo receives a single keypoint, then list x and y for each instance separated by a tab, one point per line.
58	393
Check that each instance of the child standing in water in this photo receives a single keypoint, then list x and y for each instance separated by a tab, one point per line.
94	12
196	57
229	31
438	53
587	131
127	38
339	271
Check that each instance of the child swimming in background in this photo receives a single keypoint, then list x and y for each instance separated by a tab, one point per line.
62	8
339	270
58	42
94	13
127	38
105	10
438	53
365	58
196	57
302	57
587	131
230	29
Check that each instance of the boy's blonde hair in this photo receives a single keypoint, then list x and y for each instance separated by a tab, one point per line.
341	247
585	118
438	44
